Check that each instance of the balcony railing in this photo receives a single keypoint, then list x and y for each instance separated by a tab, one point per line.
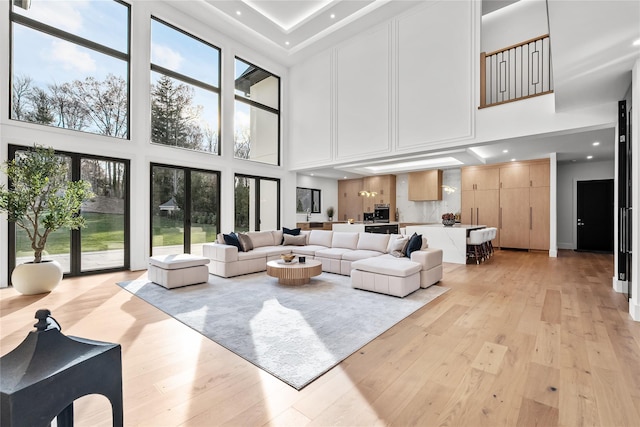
516	72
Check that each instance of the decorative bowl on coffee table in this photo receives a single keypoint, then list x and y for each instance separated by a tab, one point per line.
287	257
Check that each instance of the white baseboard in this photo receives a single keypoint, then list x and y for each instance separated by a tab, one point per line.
553	253
634	311
620	286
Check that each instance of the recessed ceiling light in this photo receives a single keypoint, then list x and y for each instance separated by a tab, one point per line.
513	160
505	151
312	174
344	177
333	15
595	144
238	13
287	43
636	43
589	157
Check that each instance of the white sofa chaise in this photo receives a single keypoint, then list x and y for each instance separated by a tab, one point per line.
339	252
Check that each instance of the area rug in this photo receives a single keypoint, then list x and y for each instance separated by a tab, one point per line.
296	333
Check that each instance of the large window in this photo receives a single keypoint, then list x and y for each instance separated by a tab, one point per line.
257	203
103	245
185	209
70	65
185	90
257	114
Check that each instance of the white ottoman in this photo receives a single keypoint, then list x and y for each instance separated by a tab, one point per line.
172	271
391	276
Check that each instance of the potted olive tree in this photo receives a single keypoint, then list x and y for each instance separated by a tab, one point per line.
41	199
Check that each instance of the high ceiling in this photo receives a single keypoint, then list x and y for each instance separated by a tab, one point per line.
592	44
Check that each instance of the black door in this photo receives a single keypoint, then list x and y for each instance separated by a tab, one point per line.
595	216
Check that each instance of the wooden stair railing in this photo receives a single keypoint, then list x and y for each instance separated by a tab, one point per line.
516	72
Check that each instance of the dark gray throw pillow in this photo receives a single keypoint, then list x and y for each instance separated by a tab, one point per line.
415	243
290	231
232	239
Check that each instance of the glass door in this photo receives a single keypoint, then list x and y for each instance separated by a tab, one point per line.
184	209
103	245
257	203
104	241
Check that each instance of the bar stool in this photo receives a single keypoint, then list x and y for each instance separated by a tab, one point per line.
493	232
48	371
474	245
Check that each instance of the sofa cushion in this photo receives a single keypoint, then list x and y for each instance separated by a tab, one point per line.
308	250
373	242
176	261
344	239
245	242
273	250
251	255
360	254
387	265
294	240
232	239
277	237
415	243
332	253
261	238
320	238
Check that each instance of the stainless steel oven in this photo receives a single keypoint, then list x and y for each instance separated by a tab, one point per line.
380	212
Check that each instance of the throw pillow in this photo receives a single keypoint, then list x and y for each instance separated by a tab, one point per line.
245	242
415	243
290	231
232	239
399	245
294	240
220	239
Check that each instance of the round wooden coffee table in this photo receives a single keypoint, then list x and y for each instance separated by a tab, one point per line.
294	273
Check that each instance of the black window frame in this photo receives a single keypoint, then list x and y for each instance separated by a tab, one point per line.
191	81
77	40
239	98
75	248
187	208
312	195
258	178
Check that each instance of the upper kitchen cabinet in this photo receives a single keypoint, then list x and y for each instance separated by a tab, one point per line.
531	173
425	185
480	178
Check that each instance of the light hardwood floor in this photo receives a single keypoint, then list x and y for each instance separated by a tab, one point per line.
521	340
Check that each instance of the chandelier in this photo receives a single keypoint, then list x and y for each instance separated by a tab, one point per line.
365	193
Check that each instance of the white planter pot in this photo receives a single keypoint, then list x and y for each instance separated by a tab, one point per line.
31	278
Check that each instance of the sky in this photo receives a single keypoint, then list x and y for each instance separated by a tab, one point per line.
48	60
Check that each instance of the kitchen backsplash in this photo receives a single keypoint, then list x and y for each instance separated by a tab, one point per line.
428	211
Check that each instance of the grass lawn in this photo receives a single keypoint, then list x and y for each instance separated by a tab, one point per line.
106	232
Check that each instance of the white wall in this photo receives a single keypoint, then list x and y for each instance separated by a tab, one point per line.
139	150
634	303
428	211
409	86
328	197
568	176
513	24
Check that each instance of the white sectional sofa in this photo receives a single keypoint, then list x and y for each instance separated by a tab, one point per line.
339	252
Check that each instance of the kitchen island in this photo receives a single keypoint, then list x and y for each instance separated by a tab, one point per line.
452	240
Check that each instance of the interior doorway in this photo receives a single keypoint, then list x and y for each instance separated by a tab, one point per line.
595	210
